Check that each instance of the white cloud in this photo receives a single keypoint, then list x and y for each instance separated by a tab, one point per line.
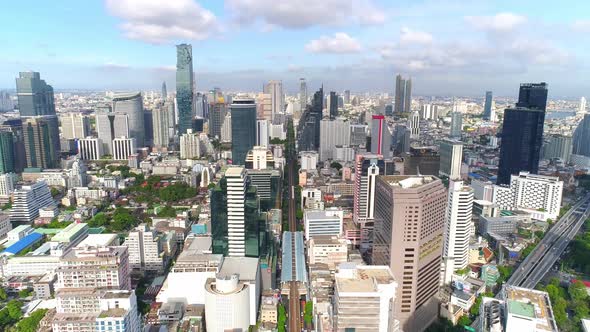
502	22
339	43
412	37
298	14
157	21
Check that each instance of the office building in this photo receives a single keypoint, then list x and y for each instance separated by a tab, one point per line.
522	132
190	145
403	95
262	132
90	148
145	249
123	147
237	229
581	137
409	224
164	94
558	147
488	113
264	106
267	183
184	86
414	125
7	181
308	129
401	139
216	118
538	194
363	299
260	158
16	127
302	93
380	136
226	129
131	104
7	153
35	97
451	158
332	105
41	137
74	126
109	126
275	90
28	200
429	112
358	135
326	222
161	126
458	229
332	133
327	249
456	129
243	128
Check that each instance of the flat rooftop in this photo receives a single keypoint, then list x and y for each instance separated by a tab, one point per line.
245	267
363	279
532	304
234	171
321	215
93	240
408	181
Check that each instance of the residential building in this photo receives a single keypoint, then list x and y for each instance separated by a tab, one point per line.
409	226
216	117
28	200
429	112
414	125
161	126
309	160
327	249
451	158
184	87
190	145
332	133
243	128
6	186
558	147
5	225
123	147
90	148
145	249
262	132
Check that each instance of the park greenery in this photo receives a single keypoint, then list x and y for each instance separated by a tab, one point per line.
308	313
31	323
10	314
56	224
578	258
282	319
120	220
167	212
570	304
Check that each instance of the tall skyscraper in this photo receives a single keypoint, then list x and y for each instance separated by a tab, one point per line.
414	125
409	224
582	137
74	126
559	146
451	157
458	229
380	136
308	130
35	99
333	105
456	129
216	118
302	94
582	107
243	128
403	95
487	108
164	91
161	126
20	157
275	89
346	99
109	126
332	133
262	132
6	151
184	86
522	132
28	200
131	104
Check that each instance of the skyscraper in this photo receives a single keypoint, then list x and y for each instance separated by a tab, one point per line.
332	133
333	105
414	125
74	126
346	97
6	151
35	99
184	86
582	107
308	130
243	128
164	91
409	224
190	145
487	108
131	104
451	157
558	146
456	129
123	147
380	136
302	93
161	126
403	94
109	126
522	132
216	118
582	137
458	229
275	89
262	132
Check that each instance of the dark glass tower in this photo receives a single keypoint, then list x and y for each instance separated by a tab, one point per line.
333	105
403	94
308	130
487	108
184	86
6	151
35	97
522	132
243	129
582	137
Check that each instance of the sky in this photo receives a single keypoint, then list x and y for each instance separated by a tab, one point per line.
448	47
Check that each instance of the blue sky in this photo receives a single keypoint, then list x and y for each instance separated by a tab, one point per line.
447	46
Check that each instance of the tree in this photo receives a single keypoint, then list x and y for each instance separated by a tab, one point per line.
31	323
336	165
3	295
464	321
54	191
167	212
308	313
99	220
577	291
25	293
14	310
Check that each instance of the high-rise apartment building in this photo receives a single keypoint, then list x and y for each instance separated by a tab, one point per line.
131	104
429	112
458	229
190	145
74	126
226	129
558	146
262	132
216	118
161	126
302	94
409	224
456	129
487	107
332	133
414	125
145	249
7	181
522	132
308	130
164	91
380	136
346	98
332	105
123	147
403	95
451	158
7	163
184	86
90	148
28	200
275	90
243	128
42	145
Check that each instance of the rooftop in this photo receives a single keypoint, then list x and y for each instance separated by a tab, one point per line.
245	267
532	304
71	231
234	171
23	243
408	181
94	240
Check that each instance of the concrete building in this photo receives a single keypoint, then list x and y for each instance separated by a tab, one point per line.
429	112
558	146
414	125
131	105
380	136
236	218
90	148
277	98
259	158
451	158
74	126
537	194
458	229
326	222
456	125
309	160
110	126
161	123
409	214
226	128
190	145
5	225
28	200
327	249
123	147
332	133
262	132
41	140
145	249
6	186
363	299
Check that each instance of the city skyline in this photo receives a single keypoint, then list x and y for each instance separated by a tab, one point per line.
446	47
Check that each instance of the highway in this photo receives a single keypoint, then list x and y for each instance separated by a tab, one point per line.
530	272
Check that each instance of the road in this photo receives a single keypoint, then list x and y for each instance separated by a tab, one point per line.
294	304
530	272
